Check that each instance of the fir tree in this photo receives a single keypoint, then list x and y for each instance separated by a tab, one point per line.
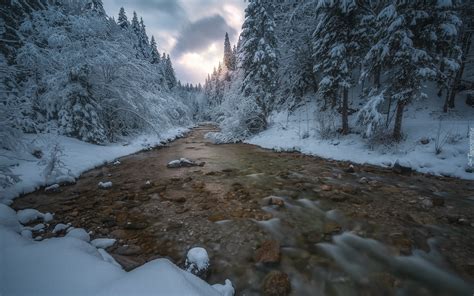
258	56
228	56
122	19
169	72
154	54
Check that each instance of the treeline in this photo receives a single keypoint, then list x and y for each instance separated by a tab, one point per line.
370	58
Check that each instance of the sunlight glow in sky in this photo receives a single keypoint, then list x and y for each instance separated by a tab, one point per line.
191	31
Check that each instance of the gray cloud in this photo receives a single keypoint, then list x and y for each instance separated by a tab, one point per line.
172	7
198	35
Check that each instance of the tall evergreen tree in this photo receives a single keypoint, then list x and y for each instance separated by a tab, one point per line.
154	54
258	54
122	19
169	72
228	59
336	52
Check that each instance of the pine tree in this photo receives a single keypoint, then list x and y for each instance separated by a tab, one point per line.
335	50
143	40
122	19
228	63
401	52
258	56
169	72
154	54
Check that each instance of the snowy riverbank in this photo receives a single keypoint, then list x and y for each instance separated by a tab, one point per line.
75	158
422	125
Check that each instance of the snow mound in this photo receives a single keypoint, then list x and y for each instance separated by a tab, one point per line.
103	243
226	290
79	233
8	218
197	259
27	215
60	227
105	185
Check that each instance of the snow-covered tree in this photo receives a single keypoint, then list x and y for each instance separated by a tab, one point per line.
154	54
228	55
258	58
336	51
122	19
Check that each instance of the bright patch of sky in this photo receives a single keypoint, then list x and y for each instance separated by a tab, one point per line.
191	31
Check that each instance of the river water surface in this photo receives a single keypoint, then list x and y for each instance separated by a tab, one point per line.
367	232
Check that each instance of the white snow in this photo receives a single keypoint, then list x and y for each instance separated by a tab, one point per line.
287	133
197	258
72	266
59	227
8	218
103	242
27	215
79	233
105	185
78	157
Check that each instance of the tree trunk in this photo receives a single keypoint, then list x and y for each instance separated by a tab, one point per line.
377	76
397	129
466	45
345	111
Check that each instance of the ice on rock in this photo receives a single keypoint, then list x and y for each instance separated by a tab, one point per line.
38	227
105	185
103	242
8	218
117	162
225	290
47	217
79	233
59	227
197	260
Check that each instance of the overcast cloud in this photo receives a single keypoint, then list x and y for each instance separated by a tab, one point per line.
191	31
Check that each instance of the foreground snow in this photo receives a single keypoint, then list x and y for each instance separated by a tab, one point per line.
70	265
298	132
78	157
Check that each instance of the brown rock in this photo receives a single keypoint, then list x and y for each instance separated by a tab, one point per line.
128	263
276	283
268	252
135	225
128	250
276	201
331	227
326	187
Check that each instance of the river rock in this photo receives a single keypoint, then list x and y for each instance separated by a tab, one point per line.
128	263
276	201
268	252
437	201
350	169
197	262
276	283
326	187
402	169
135	225
128	250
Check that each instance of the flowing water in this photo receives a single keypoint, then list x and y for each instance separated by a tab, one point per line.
367	232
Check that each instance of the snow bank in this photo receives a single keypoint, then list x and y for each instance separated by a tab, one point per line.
78	157
72	266
298	132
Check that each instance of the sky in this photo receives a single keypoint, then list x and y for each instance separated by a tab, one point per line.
191	31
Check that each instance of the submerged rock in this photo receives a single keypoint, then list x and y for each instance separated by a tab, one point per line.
276	283
183	162
268	252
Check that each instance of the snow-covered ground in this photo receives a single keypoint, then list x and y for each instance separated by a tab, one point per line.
298	131
77	157
71	265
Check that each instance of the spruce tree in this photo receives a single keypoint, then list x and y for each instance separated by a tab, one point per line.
169	72
154	54
335	51
122	19
258	54
228	63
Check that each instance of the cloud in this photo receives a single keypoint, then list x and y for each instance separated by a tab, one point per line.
196	36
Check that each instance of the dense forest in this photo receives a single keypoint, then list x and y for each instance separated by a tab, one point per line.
363	62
